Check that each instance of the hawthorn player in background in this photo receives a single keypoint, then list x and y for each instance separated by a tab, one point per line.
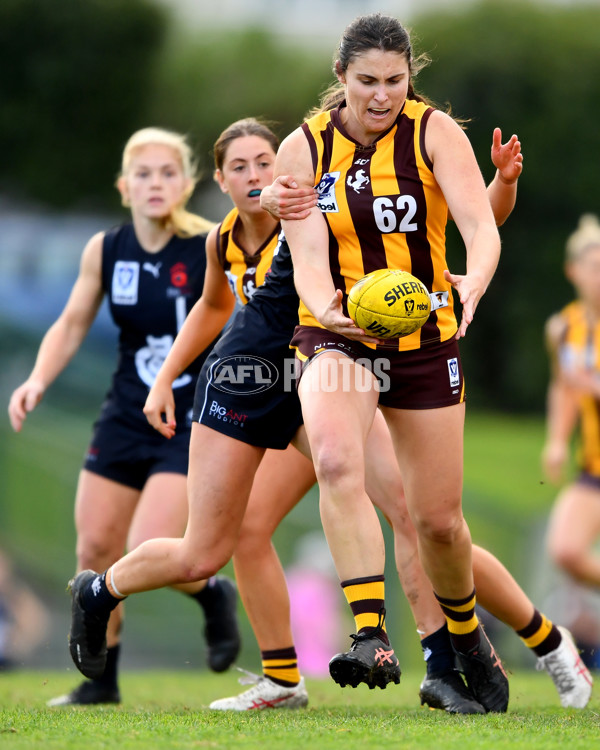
573	341
133	482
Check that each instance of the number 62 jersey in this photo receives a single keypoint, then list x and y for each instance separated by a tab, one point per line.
384	209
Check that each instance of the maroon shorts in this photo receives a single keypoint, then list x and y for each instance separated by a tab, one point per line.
426	378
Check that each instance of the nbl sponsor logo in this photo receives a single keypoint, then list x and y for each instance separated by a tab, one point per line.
242	375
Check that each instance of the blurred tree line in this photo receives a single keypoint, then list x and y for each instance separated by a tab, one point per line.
77	82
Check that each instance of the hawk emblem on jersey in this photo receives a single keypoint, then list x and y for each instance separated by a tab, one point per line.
249	287
359	181
125	282
327	201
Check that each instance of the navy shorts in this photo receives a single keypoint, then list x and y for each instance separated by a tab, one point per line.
246	388
425	378
588	480
129	453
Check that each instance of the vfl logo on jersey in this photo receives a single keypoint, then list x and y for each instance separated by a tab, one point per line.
358	181
327	202
438	299
149	358
125	282
453	372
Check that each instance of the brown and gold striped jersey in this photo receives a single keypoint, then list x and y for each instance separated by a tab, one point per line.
244	272
578	348
384	209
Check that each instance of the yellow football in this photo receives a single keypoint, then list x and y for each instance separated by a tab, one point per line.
389	303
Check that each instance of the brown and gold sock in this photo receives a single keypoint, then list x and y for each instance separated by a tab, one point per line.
366	597
541	636
463	624
281	666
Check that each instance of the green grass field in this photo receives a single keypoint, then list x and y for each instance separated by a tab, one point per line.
506	504
167	710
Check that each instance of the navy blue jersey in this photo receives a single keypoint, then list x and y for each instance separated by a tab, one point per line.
261	332
149	296
276	297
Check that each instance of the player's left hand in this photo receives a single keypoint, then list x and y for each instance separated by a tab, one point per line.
507	157
470	290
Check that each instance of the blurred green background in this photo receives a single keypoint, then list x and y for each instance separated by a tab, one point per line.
77	83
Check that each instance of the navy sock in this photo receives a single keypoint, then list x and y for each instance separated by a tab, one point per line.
438	651
209	594
109	678
96	598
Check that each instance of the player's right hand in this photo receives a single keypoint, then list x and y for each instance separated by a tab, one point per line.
285	200
23	400
160	401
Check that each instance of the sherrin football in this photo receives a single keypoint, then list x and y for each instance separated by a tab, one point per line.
389	303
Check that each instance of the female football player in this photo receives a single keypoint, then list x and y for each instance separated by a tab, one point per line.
133	483
574	394
234	427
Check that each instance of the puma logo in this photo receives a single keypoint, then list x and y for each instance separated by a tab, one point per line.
153	268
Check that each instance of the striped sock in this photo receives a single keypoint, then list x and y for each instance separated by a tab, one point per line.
541	636
281	666
366	597
463	624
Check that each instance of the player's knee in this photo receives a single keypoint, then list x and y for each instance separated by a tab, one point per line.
198	567
251	542
442	528
333	466
96	552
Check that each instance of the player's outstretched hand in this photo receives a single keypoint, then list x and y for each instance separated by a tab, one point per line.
507	157
160	401
285	200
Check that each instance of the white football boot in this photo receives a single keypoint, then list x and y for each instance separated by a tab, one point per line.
568	672
264	694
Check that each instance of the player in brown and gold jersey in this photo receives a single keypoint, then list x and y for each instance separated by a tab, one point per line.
573	339
388	168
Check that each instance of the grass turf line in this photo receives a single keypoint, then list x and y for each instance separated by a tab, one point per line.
163	709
